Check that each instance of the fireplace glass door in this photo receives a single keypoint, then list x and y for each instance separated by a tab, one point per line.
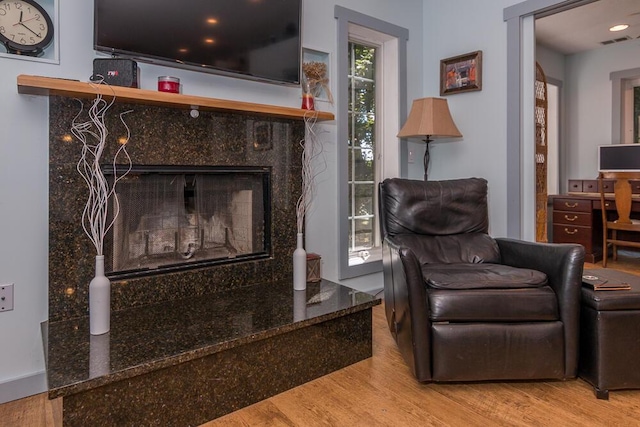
171	220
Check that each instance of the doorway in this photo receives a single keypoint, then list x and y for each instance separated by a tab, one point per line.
521	48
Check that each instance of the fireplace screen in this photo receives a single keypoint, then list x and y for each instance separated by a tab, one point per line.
181	219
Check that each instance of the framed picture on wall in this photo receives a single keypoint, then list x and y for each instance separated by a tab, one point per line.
462	73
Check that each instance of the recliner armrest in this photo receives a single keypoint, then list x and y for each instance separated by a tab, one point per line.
408	314
563	264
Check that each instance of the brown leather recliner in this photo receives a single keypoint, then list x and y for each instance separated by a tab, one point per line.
463	306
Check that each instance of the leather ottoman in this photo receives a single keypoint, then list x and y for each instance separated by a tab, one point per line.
610	334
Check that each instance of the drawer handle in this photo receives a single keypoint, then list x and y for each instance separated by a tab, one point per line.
572	218
606	205
571	205
575	230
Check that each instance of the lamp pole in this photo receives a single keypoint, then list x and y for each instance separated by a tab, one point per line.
426	156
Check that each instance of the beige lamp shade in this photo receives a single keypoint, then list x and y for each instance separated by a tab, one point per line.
429	117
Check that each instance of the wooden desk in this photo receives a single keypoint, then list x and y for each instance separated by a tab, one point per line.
577	218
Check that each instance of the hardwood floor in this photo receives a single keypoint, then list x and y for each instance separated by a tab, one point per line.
33	411
380	391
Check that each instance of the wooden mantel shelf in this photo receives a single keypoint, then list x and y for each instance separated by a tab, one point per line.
37	85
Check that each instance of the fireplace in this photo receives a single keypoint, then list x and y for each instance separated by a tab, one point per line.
224	220
181	340
176	218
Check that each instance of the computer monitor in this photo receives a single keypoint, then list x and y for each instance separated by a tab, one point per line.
619	158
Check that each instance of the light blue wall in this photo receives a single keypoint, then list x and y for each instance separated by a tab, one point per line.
589	102
551	61
24	162
456	27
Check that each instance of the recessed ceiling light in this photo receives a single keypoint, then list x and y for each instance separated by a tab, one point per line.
209	41
619	27
212	21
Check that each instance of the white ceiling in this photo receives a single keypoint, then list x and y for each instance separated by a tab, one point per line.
586	27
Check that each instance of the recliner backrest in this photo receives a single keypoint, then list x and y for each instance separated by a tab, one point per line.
468	248
435	208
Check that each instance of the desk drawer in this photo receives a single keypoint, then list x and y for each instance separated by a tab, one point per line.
572	218
572	205
610	204
607	184
611	207
590	186
573	234
575	185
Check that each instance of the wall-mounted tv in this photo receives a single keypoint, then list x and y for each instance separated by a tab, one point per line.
254	39
619	158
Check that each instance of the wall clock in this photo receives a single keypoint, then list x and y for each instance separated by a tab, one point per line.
25	27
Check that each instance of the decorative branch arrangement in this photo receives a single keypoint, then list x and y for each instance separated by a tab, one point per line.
315	74
311	151
93	135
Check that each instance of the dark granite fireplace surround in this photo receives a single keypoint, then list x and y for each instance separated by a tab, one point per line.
166	136
189	346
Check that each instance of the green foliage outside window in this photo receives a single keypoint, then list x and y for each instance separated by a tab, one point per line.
362	120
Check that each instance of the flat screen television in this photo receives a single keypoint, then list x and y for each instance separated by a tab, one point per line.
619	158
254	39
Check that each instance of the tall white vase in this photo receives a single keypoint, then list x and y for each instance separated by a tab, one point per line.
99	300
299	305
99	355
300	265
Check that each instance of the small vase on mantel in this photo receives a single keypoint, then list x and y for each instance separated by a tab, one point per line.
99	300
300	265
307	97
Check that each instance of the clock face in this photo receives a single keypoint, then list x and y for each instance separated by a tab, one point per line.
24	26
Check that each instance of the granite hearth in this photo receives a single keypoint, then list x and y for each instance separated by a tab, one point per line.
196	359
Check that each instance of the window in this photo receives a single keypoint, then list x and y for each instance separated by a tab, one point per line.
631	111
371	64
363	176
625	105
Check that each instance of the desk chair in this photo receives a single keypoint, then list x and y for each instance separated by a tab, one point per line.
623	200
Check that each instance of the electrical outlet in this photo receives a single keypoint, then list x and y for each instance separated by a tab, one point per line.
412	157
6	297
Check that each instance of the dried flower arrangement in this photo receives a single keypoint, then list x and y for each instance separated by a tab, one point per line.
315	74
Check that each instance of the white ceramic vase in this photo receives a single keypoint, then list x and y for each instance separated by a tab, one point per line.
99	355
299	305
300	266
99	300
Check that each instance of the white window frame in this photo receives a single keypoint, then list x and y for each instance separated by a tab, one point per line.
356	36
390	112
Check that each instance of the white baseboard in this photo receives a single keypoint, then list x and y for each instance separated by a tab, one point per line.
23	387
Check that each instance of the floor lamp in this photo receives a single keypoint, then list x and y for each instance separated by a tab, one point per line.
429	118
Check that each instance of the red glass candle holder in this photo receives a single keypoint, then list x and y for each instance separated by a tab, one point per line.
307	101
169	84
